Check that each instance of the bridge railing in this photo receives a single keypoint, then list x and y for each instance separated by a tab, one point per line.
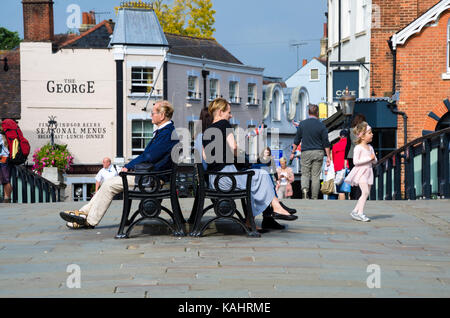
28	187
420	169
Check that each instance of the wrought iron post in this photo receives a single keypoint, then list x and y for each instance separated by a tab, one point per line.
52	124
426	169
443	159
397	177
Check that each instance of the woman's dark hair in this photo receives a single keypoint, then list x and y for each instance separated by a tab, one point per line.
359	118
206	119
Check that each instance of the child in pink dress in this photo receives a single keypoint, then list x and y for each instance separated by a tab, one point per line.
362	173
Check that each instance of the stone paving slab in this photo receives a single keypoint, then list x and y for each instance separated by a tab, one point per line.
323	254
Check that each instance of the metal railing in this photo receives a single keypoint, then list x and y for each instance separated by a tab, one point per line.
28	187
420	169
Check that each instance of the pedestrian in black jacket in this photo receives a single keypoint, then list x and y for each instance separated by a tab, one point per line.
313	135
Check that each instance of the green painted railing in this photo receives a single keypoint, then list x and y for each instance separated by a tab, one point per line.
28	187
425	165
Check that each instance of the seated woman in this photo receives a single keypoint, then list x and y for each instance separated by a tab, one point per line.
262	190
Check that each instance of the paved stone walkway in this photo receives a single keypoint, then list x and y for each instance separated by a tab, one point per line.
323	254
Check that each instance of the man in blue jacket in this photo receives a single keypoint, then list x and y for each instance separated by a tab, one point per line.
157	152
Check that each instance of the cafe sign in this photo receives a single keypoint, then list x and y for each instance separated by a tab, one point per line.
342	80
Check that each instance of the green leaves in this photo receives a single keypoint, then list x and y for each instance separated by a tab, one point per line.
8	40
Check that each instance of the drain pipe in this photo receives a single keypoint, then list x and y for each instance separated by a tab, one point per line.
394	65
339	30
393	107
393	102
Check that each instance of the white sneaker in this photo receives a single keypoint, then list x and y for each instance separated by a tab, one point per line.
364	218
355	216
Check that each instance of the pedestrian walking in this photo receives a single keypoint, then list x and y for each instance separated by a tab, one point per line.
349	149
339	161
313	135
362	173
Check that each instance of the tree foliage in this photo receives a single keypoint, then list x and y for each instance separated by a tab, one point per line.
8	39
186	17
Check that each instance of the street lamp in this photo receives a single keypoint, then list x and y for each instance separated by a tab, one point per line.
52	124
347	105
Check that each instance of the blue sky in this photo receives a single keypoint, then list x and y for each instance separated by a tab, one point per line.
257	32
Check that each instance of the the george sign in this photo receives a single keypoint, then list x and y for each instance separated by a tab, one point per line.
70	86
342	80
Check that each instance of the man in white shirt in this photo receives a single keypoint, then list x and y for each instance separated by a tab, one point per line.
107	172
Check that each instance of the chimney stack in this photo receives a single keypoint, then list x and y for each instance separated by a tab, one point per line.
305	61
38	20
88	21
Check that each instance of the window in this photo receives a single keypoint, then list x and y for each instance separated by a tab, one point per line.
213	89
251	99
83	191
346	18
276	106
314	74
141	79
141	134
192	87
233	89
361	11
302	106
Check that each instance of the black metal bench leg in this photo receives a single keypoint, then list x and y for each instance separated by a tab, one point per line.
178	217
246	206
191	219
124	220
198	215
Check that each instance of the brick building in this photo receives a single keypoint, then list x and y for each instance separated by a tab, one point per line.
422	70
385	47
10	84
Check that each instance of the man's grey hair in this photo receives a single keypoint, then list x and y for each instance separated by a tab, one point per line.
313	110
